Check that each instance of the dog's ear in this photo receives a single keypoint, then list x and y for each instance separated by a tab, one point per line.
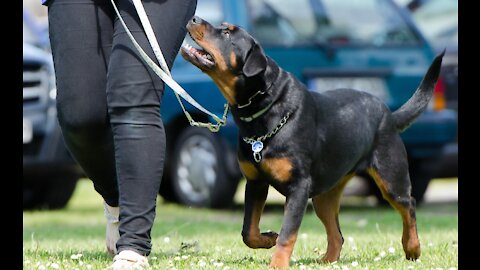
255	61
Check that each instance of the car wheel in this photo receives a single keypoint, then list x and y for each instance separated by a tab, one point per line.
199	174
48	191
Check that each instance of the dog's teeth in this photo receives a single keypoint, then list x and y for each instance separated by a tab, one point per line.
209	57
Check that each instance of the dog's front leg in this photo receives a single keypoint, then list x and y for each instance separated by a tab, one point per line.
255	196
294	210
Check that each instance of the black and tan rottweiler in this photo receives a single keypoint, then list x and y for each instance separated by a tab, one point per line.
306	144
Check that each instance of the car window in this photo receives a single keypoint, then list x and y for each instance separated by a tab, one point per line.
210	10
340	22
438	20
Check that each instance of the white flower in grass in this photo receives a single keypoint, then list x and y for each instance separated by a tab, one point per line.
410	267
89	266
218	264
452	268
226	268
336	266
177	258
438	268
383	254
303	267
391	250
354	263
430	244
76	256
166	239
184	257
350	239
202	263
345	267
376	259
362	222
304	236
55	266
390	268
354	248
41	267
229	251
153	258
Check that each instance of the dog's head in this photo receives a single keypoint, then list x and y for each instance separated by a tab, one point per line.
229	55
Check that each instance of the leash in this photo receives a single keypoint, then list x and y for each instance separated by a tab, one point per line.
164	73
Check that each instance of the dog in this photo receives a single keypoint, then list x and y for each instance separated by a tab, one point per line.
306	144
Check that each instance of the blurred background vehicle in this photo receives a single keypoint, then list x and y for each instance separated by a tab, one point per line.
49	172
369	45
438	21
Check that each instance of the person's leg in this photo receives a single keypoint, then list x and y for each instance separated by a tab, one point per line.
133	98
80	35
81	40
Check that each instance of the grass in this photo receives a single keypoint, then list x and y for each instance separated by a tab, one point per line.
189	238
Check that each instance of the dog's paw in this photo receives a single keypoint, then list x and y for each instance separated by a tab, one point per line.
263	240
270	238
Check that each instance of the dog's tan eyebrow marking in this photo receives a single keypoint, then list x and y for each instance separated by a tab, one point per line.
278	168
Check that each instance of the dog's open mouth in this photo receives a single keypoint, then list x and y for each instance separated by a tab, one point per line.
197	56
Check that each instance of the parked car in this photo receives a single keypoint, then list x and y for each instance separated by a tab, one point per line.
369	45
438	21
49	172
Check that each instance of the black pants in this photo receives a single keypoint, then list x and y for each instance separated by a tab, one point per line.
108	101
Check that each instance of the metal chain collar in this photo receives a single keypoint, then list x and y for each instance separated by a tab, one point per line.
257	144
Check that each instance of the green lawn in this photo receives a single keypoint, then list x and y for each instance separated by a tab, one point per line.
189	238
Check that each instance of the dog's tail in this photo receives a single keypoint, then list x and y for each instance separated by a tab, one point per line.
409	111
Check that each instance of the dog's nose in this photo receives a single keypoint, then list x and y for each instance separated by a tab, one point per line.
196	20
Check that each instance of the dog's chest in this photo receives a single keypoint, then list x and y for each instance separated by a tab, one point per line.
276	169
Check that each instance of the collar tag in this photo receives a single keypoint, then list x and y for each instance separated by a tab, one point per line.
257	147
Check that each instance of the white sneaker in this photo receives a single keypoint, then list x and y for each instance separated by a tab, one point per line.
111	214
129	260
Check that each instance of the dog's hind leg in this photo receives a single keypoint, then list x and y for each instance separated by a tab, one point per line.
390	171
327	207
